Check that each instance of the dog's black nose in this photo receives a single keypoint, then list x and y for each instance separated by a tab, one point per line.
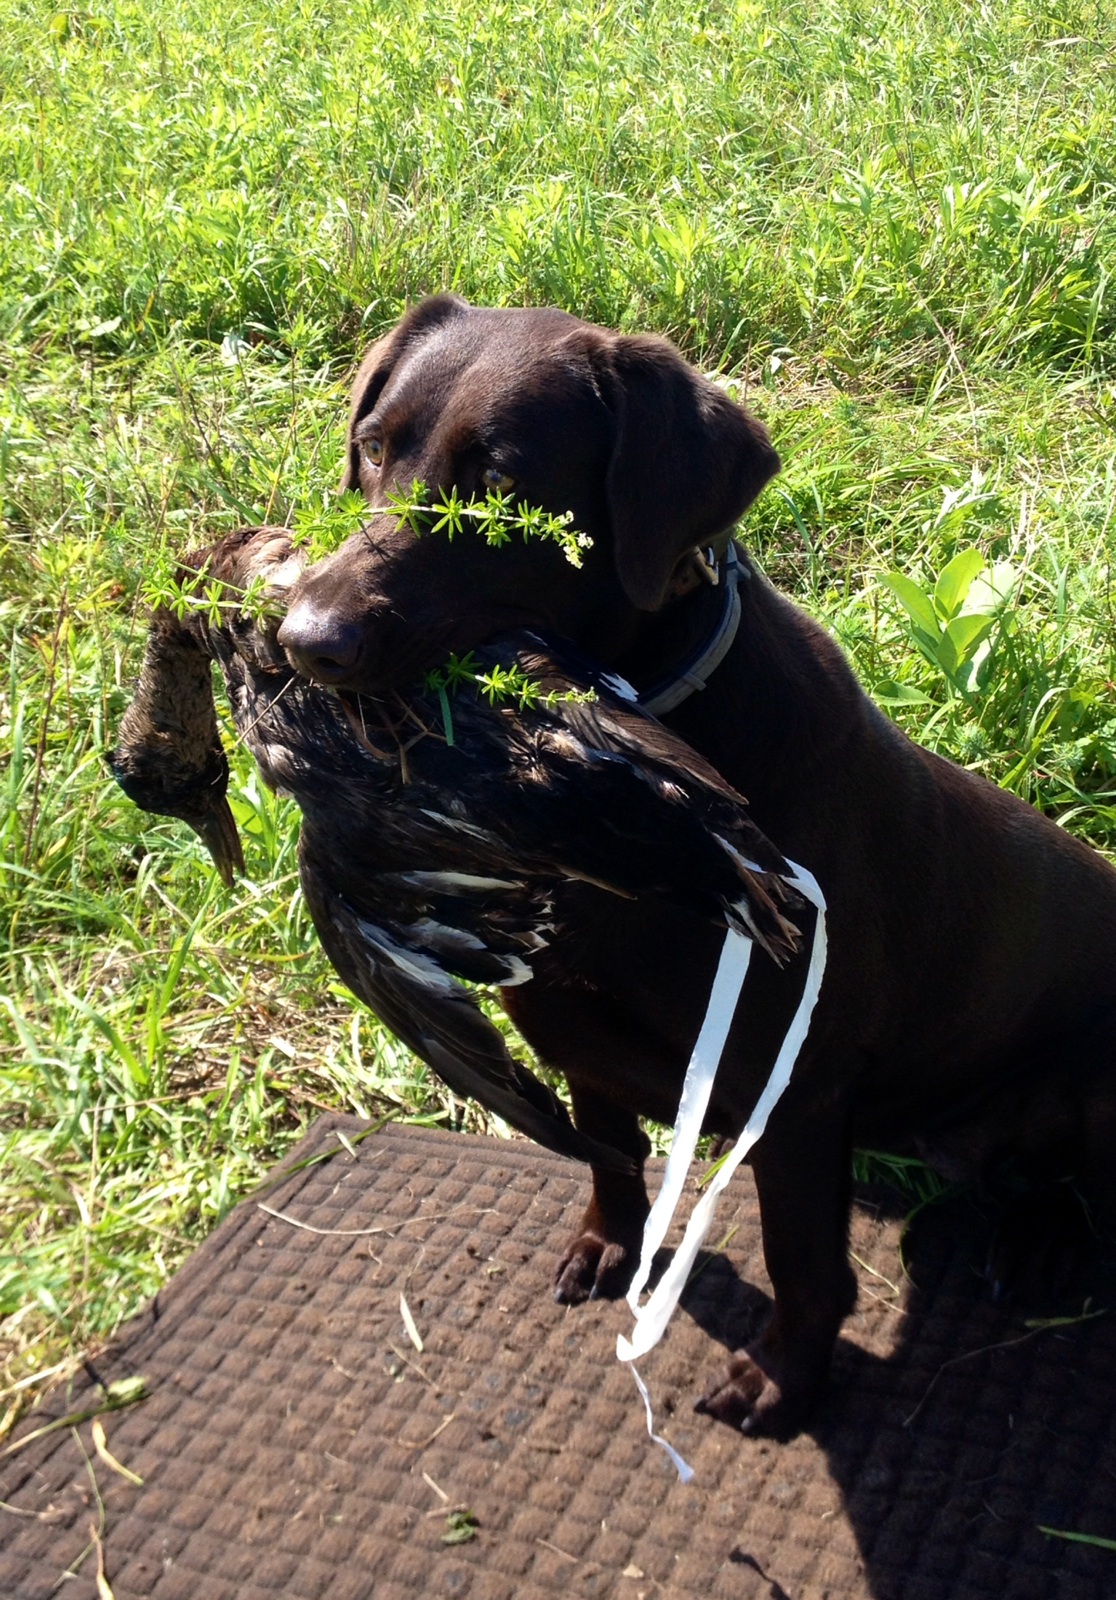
320	644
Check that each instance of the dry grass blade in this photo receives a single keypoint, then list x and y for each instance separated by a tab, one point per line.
104	1588
100	1444
324	1233
410	1324
124	1393
421	1444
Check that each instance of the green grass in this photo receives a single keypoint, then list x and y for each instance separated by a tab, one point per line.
892	226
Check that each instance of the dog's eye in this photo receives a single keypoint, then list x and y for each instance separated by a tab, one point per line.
496	480
373	451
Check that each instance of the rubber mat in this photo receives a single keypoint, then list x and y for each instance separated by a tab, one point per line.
296	1442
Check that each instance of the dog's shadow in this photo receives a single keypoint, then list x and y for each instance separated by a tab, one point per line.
957	1430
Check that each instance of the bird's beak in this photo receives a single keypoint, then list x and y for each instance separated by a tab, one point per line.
217	831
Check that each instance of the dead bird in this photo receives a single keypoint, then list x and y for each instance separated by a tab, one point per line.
442	831
169	758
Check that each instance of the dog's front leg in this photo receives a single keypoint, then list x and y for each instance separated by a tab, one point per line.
596	1050
600	1260
802	1168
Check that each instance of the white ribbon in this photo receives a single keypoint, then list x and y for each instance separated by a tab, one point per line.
652	1318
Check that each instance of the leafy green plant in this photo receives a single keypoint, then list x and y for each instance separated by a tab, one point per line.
510	685
167	586
323	525
461	1527
496	519
953	618
323	521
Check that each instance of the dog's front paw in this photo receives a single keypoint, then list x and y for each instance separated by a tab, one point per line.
594	1268
746	1397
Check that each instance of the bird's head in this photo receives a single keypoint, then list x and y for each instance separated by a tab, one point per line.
168	757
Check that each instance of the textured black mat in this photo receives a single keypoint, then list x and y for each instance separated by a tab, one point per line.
295	1443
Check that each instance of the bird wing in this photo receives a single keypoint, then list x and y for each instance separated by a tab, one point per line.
606	793
442	1023
612	721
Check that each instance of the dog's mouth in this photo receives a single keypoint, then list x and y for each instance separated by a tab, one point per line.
386	726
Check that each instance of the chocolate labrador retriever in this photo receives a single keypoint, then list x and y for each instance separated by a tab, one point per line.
969	1007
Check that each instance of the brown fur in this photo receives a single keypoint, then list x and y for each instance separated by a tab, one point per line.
970	1002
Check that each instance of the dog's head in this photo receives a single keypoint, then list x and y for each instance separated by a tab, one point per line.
650	458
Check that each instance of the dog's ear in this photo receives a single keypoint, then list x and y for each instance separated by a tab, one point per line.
686	461
378	363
